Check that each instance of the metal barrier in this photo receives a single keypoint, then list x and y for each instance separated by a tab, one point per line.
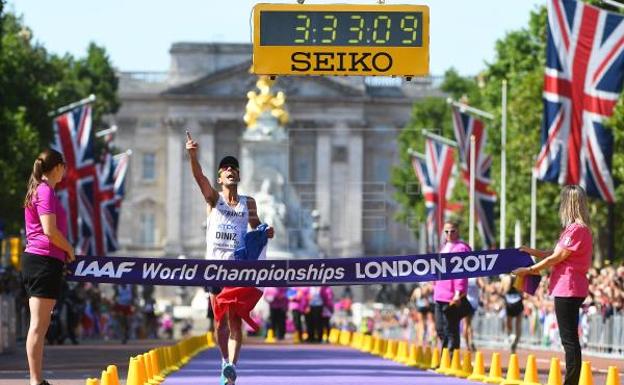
598	335
7	323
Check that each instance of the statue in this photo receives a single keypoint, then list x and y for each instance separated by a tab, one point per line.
271	207
266	112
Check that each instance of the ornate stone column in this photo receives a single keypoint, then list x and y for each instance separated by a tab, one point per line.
323	189
354	202
175	152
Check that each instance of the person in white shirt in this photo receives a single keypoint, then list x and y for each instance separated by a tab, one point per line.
229	215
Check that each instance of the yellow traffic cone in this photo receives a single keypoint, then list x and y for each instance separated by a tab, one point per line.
530	371
134	375
356	341
210	343
435	358
513	371
425	362
478	372
91	381
455	368
367	344
415	355
554	375
445	362
466	368
391	350
104	378
142	369
345	338
376	346
401	356
156	369
270	338
334	334
149	371
496	373
113	374
613	377
586	377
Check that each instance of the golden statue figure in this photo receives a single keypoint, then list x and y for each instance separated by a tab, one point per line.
265	101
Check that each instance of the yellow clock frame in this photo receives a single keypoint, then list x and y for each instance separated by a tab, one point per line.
330	59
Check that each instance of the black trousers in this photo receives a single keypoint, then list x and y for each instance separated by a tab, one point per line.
278	322
446	327
296	314
567	312
315	324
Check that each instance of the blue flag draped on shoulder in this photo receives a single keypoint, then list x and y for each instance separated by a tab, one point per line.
298	272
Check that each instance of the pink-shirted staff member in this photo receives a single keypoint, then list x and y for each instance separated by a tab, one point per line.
47	250
570	262
449	292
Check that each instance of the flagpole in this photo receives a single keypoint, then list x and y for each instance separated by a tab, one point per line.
464	107
111	130
533	208
613	3
120	155
61	110
471	218
439	138
503	191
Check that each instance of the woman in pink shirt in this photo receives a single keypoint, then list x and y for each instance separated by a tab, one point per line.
570	262
448	292
47	250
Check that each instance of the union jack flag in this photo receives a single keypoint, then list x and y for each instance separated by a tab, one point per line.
436	173
106	207
73	138
465	126
582	83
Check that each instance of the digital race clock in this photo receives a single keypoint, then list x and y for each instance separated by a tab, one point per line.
341	39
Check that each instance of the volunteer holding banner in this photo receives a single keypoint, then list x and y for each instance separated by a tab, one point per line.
229	214
570	262
447	294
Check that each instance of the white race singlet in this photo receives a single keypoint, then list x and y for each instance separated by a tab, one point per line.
226	227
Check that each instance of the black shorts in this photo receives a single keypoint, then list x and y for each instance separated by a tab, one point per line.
514	309
42	276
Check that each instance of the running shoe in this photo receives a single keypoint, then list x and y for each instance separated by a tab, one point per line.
229	372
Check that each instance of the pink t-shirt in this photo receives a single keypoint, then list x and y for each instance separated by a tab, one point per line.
444	290
569	277
44	201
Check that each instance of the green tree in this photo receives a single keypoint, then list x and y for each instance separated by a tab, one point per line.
34	82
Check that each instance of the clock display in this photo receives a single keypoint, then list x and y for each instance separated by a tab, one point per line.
350	29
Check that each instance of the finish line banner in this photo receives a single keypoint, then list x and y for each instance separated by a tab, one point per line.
299	272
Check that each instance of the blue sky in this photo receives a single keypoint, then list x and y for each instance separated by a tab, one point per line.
138	33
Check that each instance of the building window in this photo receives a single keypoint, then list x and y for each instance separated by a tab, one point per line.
148	229
340	154
149	166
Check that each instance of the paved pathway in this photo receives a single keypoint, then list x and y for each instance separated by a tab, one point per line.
306	365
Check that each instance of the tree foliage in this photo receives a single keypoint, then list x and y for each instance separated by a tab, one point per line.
519	59
34	82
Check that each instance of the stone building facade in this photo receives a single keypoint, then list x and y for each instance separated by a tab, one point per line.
343	144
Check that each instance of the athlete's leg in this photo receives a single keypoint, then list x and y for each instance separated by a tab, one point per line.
223	332
235	337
